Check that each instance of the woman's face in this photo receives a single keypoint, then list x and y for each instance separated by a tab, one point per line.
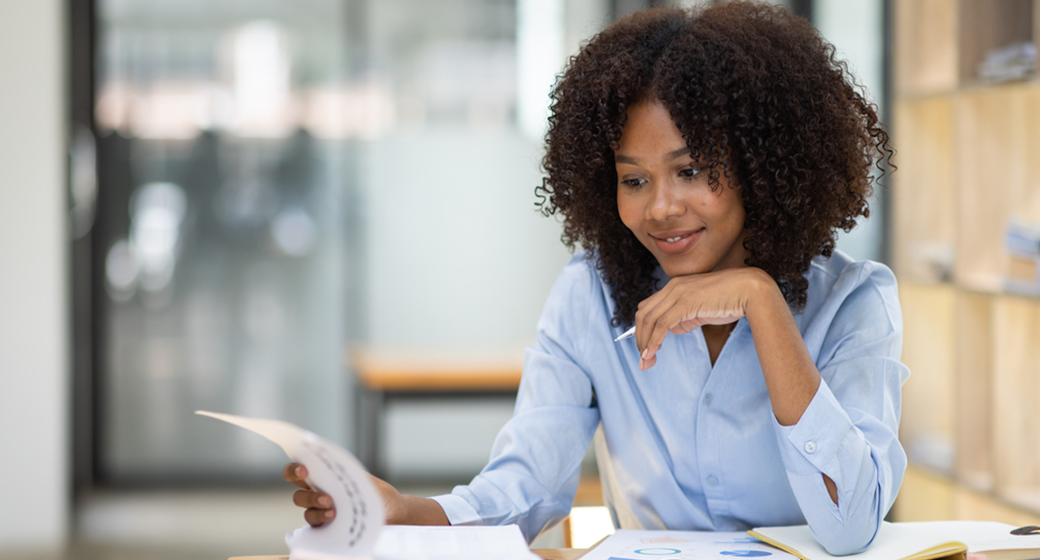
664	197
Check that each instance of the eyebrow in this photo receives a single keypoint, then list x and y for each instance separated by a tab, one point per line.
619	158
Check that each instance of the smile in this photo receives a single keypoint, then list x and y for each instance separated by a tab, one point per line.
674	242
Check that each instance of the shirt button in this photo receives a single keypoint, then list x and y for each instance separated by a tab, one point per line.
707	398
712	481
810	447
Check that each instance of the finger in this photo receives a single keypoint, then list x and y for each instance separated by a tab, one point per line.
296	474
316	517
309	499
661	328
649	324
645	314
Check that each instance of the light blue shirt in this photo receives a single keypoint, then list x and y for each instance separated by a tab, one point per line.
697	447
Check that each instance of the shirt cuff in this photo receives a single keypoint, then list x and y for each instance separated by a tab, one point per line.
458	510
820	434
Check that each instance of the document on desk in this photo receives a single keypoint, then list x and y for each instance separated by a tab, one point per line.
408	542
686	545
359	529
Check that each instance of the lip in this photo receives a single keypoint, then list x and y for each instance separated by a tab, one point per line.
686	239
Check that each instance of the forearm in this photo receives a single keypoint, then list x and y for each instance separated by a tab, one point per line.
418	511
790	374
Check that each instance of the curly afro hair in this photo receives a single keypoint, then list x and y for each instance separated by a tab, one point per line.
757	94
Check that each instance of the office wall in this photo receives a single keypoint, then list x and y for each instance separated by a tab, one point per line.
34	506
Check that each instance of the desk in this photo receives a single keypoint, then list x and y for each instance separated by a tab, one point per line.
413	373
545	553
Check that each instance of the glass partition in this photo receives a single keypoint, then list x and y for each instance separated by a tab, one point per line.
280	180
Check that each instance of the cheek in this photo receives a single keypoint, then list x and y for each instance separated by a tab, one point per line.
629	211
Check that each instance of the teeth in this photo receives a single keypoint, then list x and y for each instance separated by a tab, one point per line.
673	239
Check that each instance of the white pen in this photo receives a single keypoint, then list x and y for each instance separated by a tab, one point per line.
628	334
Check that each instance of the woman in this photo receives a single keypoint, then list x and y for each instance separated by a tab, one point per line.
704	159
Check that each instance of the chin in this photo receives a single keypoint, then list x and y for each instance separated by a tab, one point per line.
675	269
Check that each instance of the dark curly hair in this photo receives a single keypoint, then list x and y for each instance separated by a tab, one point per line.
757	94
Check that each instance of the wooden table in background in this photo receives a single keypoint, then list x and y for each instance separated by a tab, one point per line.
414	373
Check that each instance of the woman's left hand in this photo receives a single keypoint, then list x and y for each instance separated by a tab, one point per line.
689	302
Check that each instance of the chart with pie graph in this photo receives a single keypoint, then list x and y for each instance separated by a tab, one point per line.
683	545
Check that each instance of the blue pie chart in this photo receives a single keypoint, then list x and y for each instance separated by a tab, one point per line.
658	551
746	553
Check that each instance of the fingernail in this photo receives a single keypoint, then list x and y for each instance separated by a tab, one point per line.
645	352
329	514
300	472
325	501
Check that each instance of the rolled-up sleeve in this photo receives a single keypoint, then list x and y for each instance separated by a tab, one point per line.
849	430
533	473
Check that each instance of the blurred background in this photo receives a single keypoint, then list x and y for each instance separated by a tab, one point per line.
323	211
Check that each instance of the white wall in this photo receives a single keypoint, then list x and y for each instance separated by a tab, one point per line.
34	472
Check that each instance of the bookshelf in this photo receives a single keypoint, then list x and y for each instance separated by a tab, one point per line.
969	165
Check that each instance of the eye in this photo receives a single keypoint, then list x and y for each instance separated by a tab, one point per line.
690	172
634	183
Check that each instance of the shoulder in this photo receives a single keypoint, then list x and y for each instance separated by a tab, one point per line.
840	278
579	278
851	304
578	307
579	290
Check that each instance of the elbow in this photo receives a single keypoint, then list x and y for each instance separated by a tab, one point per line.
847	539
844	547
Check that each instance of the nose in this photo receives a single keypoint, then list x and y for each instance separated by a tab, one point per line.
664	202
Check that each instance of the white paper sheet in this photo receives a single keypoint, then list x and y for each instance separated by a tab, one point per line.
409	542
684	545
335	471
359	529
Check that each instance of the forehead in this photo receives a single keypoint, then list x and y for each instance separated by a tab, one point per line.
649	127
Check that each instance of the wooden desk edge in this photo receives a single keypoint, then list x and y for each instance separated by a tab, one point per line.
446	380
545	553
414	371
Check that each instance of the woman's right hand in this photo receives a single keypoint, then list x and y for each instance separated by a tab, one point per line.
401	509
318	505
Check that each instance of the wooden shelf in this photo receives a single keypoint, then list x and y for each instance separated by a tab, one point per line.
973	359
927	425
1016	397
969	165
926	46
924	192
998	135
926	496
992	24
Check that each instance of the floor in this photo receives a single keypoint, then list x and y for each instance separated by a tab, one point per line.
194	525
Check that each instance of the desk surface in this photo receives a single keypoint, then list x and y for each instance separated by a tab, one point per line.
546	553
